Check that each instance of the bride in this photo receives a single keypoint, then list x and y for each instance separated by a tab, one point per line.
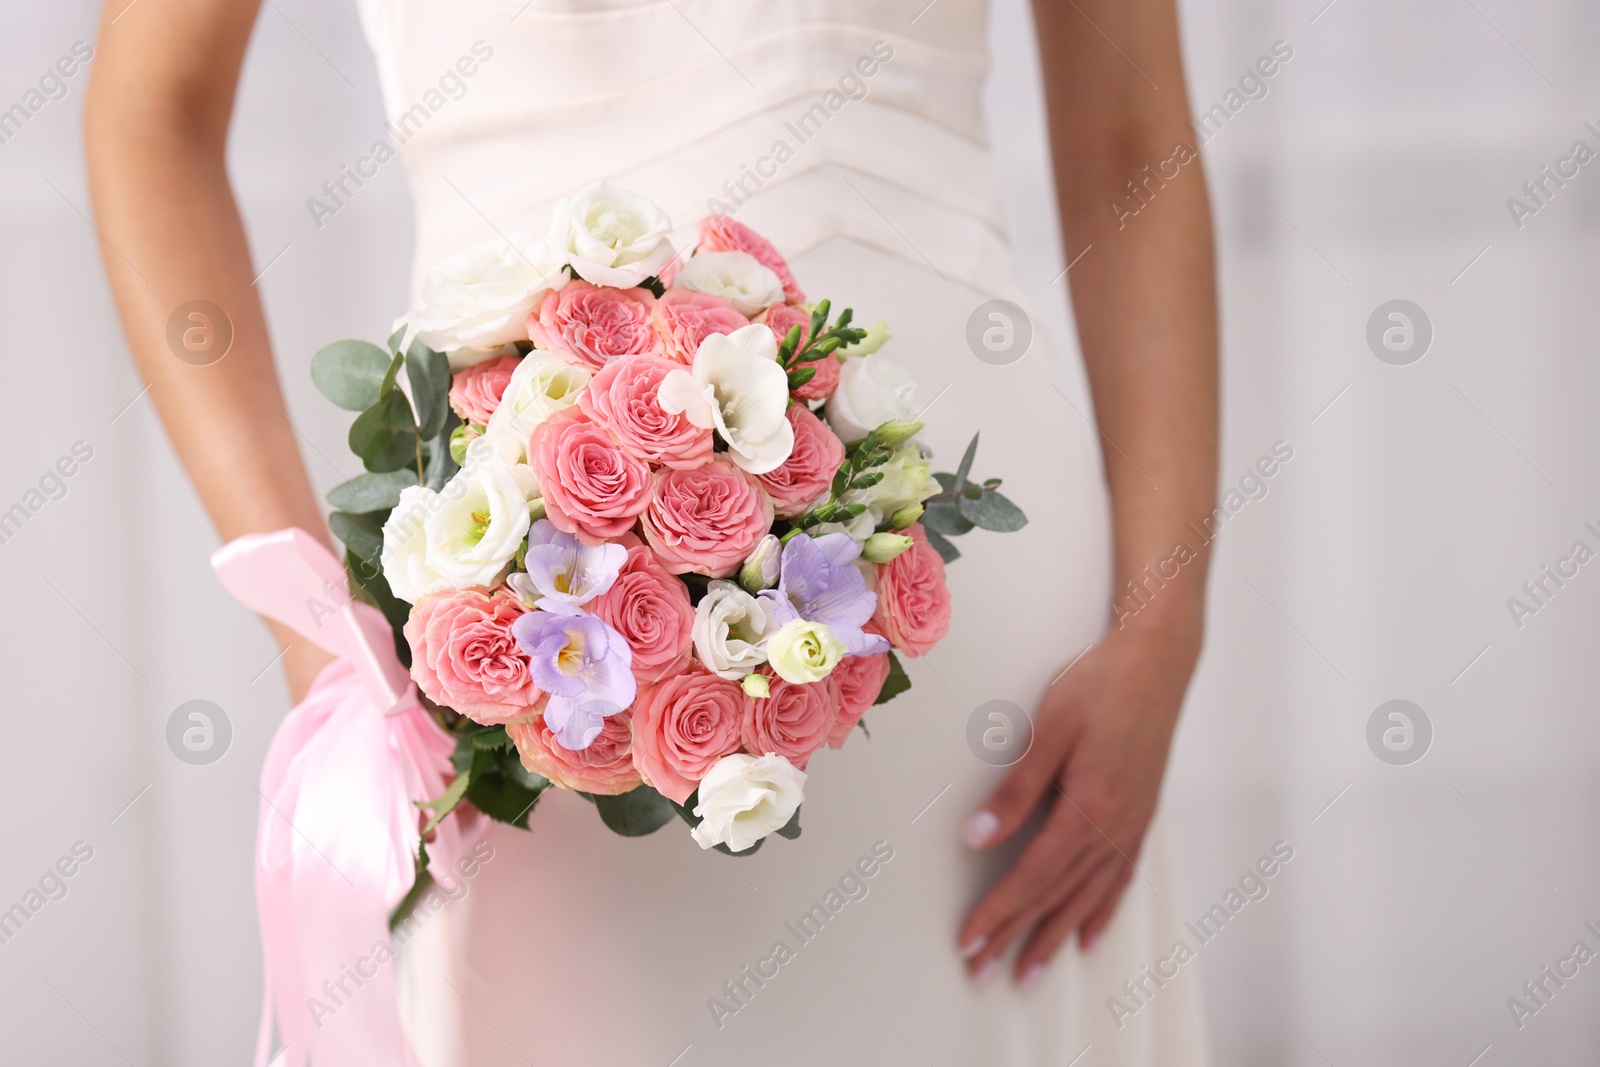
1018	897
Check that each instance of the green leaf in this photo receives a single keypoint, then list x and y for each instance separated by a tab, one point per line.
495	737
966	465
442	465
993	512
791	829
636	813
946	480
395	338
385	435
371	492
947	552
390	376
349	373
361	534
503	799
944	516
443	804
429	374
897	682
368	585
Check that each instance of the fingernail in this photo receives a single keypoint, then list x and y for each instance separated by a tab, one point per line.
1088	944
973	947
1031	976
979	828
986	973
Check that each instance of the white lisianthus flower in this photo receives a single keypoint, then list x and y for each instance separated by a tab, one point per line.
479	299
744	798
405	546
477	525
802	651
542	385
737	388
907	479
730	630
737	277
610	236
871	392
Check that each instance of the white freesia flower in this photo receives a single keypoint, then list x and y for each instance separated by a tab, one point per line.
542	385
611	236
871	392
737	277
477	524
405	545
737	388
802	651
479	299
730	630
744	798
907	479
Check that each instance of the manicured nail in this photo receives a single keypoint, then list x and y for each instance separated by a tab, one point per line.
1088	944
979	828
987	972
1031	976
975	946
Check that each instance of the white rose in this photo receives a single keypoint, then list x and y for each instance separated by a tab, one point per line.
802	651
744	798
479	299
730	630
907	479
737	277
405	544
611	236
477	525
737	388
871	392
542	385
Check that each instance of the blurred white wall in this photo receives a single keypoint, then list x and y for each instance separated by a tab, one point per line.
1377	566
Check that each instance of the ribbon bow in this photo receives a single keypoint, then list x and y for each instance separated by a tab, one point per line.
337	828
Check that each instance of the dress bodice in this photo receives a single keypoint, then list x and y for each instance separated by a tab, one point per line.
809	119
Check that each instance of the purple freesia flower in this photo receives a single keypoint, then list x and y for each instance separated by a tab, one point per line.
585	666
818	581
563	572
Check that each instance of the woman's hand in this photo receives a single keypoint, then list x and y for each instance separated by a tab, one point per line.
1101	738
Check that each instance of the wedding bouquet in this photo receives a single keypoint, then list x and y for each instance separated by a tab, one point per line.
647	526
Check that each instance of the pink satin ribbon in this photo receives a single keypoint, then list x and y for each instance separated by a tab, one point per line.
338	827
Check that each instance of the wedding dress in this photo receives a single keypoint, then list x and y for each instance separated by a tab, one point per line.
849	132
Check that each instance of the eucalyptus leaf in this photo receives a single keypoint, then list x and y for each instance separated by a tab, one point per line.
349	373
429	374
368	585
944	516
442	465
371	492
791	829
396	337
947	552
361	534
391	376
897	682
993	511
966	465
636	813
385	435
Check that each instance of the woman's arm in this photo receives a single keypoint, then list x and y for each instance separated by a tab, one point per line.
1145	302
156	127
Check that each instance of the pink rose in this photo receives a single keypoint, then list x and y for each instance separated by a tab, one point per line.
464	657
650	608
682	726
592	487
604	768
476	391
591	325
801	479
706	520
857	680
684	318
720	233
780	320
794	721
913	601
622	398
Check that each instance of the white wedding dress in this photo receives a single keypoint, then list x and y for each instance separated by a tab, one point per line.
577	948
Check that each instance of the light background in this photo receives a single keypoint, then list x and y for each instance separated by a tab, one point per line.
1378	566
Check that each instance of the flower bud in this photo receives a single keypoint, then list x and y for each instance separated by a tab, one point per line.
460	438
757	686
883	547
894	434
760	570
906	516
877	334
